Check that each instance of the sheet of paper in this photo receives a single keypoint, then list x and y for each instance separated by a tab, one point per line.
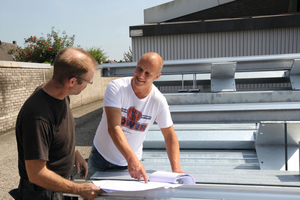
170	177
122	186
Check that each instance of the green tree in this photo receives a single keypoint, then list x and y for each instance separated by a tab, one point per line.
42	49
127	56
97	53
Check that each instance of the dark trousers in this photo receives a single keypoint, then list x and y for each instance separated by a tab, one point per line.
30	191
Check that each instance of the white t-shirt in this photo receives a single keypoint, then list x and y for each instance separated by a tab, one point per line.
137	117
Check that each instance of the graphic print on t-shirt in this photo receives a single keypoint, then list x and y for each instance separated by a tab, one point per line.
133	116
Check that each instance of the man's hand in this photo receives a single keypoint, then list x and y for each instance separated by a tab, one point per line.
81	165
39	174
135	167
89	190
137	170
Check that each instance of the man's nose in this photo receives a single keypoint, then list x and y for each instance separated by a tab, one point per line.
142	74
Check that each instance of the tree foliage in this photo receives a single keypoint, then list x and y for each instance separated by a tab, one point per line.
127	56
97	53
42	49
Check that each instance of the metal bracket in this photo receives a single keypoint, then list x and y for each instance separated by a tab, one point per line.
182	85
277	145
194	89
222	76
295	75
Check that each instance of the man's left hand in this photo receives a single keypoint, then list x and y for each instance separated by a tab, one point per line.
81	165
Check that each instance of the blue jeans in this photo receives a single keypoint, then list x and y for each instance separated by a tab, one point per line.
96	162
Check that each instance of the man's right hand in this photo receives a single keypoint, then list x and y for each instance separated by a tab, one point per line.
89	190
137	170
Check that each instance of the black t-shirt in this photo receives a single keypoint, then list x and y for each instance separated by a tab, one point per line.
45	130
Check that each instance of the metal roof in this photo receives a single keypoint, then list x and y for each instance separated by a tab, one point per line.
235	144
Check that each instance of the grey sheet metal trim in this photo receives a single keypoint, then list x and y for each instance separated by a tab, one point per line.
205	139
236	112
207	126
219	25
238	75
295	74
212	191
190	66
208	98
236	107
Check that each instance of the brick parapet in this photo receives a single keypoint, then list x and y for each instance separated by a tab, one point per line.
18	81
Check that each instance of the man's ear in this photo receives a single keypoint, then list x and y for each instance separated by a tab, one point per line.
157	76
72	81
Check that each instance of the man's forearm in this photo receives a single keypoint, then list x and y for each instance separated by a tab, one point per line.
172	147
52	181
121	143
40	175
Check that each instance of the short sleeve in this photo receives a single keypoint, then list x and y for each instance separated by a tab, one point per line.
164	119
36	139
112	95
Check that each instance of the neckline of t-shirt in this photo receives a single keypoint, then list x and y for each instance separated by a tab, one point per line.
143	99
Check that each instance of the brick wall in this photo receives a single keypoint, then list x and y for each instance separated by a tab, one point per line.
18	80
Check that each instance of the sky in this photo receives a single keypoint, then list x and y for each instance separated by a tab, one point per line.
95	23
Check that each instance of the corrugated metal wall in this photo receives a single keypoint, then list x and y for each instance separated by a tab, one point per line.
221	44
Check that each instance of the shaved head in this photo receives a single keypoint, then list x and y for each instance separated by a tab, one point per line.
154	59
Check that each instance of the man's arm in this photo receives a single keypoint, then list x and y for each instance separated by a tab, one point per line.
40	175
135	167
172	146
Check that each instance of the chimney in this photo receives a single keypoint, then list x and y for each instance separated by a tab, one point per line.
15	42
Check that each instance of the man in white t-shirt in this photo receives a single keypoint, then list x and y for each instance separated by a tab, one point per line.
131	105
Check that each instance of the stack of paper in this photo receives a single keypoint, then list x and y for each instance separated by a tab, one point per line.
170	177
157	179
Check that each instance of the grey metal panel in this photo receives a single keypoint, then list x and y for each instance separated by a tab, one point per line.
255	77
206	136
223	44
295	74
205	139
209	127
277	144
236	112
232	97
238	116
219	175
192	66
222	77
270	133
212	192
237	107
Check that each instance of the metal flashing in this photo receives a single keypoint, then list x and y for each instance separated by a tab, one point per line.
221	25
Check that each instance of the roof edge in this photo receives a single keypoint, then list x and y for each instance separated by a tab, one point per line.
219	25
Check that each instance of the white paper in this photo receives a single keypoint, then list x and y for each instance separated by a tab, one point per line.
122	186
171	177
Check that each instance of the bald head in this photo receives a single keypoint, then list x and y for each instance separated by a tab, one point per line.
154	59
72	62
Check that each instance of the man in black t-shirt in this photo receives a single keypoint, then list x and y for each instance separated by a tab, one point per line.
45	132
